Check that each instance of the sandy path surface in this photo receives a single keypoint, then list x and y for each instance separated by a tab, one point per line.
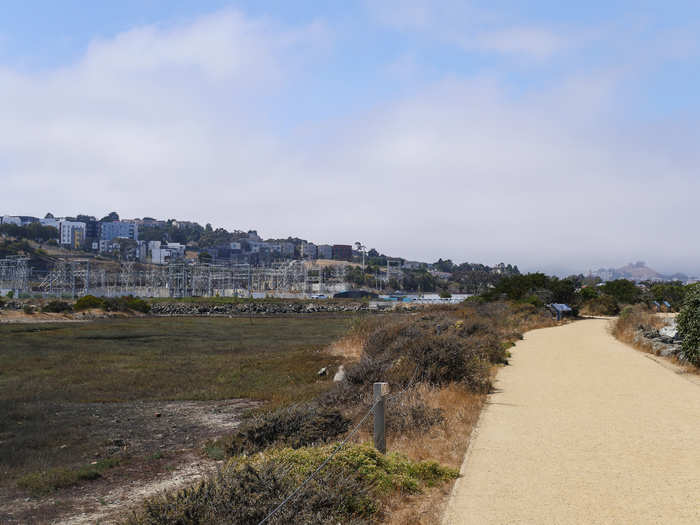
583	429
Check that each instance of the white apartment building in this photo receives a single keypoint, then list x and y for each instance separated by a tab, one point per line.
72	233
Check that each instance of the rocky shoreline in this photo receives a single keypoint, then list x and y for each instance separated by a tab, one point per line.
261	308
665	342
177	308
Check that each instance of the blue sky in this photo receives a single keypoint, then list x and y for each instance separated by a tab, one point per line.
466	124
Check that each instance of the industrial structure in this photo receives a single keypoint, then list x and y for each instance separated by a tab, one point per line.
75	278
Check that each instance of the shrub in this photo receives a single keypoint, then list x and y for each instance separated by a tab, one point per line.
601	305
632	319
622	290
588	293
126	303
57	307
410	413
295	427
28	309
534	300
346	491
89	301
433	350
10	294
689	325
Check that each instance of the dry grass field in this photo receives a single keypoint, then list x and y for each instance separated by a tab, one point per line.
86	403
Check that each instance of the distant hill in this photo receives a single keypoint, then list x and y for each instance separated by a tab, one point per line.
637	271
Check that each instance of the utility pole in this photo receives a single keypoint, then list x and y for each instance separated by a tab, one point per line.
362	248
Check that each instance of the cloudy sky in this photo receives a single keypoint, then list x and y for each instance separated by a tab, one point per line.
550	135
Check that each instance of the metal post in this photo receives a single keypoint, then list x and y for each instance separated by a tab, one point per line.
380	390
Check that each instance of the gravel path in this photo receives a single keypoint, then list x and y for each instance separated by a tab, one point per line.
583	429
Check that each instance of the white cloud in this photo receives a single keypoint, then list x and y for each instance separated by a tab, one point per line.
472	28
181	122
539	44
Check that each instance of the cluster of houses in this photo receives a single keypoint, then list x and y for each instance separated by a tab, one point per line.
105	236
252	249
82	233
121	237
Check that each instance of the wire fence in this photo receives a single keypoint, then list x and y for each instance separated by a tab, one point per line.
338	448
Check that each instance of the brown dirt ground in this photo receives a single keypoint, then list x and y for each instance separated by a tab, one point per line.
160	444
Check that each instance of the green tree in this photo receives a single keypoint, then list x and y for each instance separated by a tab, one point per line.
622	290
674	293
689	325
111	216
588	293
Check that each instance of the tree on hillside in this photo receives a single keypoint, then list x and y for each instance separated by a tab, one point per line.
622	290
34	231
444	266
673	292
689	325
111	216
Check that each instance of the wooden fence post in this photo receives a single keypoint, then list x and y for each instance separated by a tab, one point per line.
380	390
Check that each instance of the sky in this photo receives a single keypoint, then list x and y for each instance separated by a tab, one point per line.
557	136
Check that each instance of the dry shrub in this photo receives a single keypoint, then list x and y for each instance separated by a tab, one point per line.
445	441
296	426
347	490
633	319
410	413
602	305
247	494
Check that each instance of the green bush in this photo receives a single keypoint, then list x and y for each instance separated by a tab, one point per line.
10	294
248	489
533	300
28	309
113	304
588	293
57	307
89	301
689	325
623	291
126	303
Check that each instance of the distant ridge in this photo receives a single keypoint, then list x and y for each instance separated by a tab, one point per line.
637	271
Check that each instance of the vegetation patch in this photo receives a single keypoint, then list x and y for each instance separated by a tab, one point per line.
88	301
57	307
81	384
46	481
295	426
689	325
601	305
350	488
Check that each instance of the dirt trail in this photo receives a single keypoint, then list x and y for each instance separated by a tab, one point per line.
583	429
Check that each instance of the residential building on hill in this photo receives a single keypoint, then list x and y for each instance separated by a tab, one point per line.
111	230
72	233
325	251
342	252
308	250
